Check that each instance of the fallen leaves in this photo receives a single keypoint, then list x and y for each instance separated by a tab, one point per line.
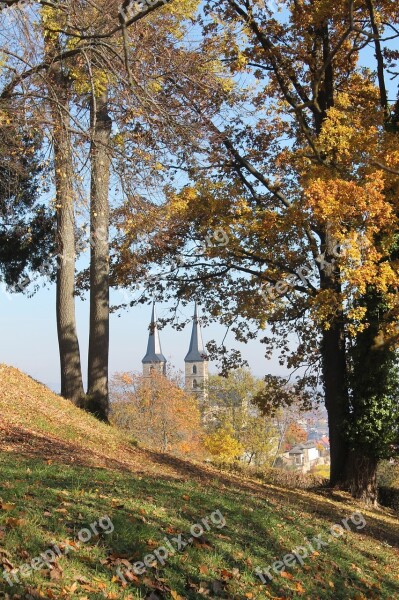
56	572
225	574
5	559
13	522
6	506
286	575
299	588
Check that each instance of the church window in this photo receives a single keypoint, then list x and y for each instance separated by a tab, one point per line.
195	384
195	369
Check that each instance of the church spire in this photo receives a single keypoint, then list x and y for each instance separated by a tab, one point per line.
196	350
196	363
154	354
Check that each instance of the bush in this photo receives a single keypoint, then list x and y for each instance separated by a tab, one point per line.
291	479
388	484
388	474
321	471
388	496
281	477
223	446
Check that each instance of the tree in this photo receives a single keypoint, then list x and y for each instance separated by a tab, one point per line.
156	411
223	446
229	398
231	409
294	435
259	437
281	404
81	47
303	190
101	125
373	424
59	92
26	225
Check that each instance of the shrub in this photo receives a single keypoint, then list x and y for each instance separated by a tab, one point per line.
281	477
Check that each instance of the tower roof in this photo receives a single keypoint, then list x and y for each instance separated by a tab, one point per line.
154	350
196	351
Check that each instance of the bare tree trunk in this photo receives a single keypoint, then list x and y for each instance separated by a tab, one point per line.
334	375
334	363
362	477
71	370
101	125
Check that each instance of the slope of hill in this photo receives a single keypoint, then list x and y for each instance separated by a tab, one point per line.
85	515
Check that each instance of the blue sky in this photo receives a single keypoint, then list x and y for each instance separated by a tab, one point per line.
28	338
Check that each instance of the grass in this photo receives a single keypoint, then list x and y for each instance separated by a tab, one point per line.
50	491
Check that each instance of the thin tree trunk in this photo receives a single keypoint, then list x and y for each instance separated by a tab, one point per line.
71	371
98	402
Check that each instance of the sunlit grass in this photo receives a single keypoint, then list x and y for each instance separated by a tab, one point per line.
54	502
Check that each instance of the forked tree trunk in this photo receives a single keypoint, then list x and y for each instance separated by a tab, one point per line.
71	371
101	125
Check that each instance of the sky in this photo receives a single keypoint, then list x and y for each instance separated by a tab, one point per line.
28	338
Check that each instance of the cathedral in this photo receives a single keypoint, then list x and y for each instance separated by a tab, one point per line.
196	360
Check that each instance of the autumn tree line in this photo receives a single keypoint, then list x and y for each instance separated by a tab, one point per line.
228	429
276	126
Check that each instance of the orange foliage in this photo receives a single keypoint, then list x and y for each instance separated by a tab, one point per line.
157	412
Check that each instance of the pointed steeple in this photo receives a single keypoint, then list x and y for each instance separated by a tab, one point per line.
196	351
154	350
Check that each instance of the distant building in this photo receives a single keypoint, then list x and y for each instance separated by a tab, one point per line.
302	457
196	360
154	359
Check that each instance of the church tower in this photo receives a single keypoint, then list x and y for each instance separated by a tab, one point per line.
154	359
196	362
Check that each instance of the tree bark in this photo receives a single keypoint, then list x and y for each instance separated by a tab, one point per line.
362	477
334	364
101	125
71	371
334	374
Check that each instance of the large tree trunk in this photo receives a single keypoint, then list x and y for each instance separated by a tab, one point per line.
99	266
374	384
333	350
336	399
71	371
362	477
334	361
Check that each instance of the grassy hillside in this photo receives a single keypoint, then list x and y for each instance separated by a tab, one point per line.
74	491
